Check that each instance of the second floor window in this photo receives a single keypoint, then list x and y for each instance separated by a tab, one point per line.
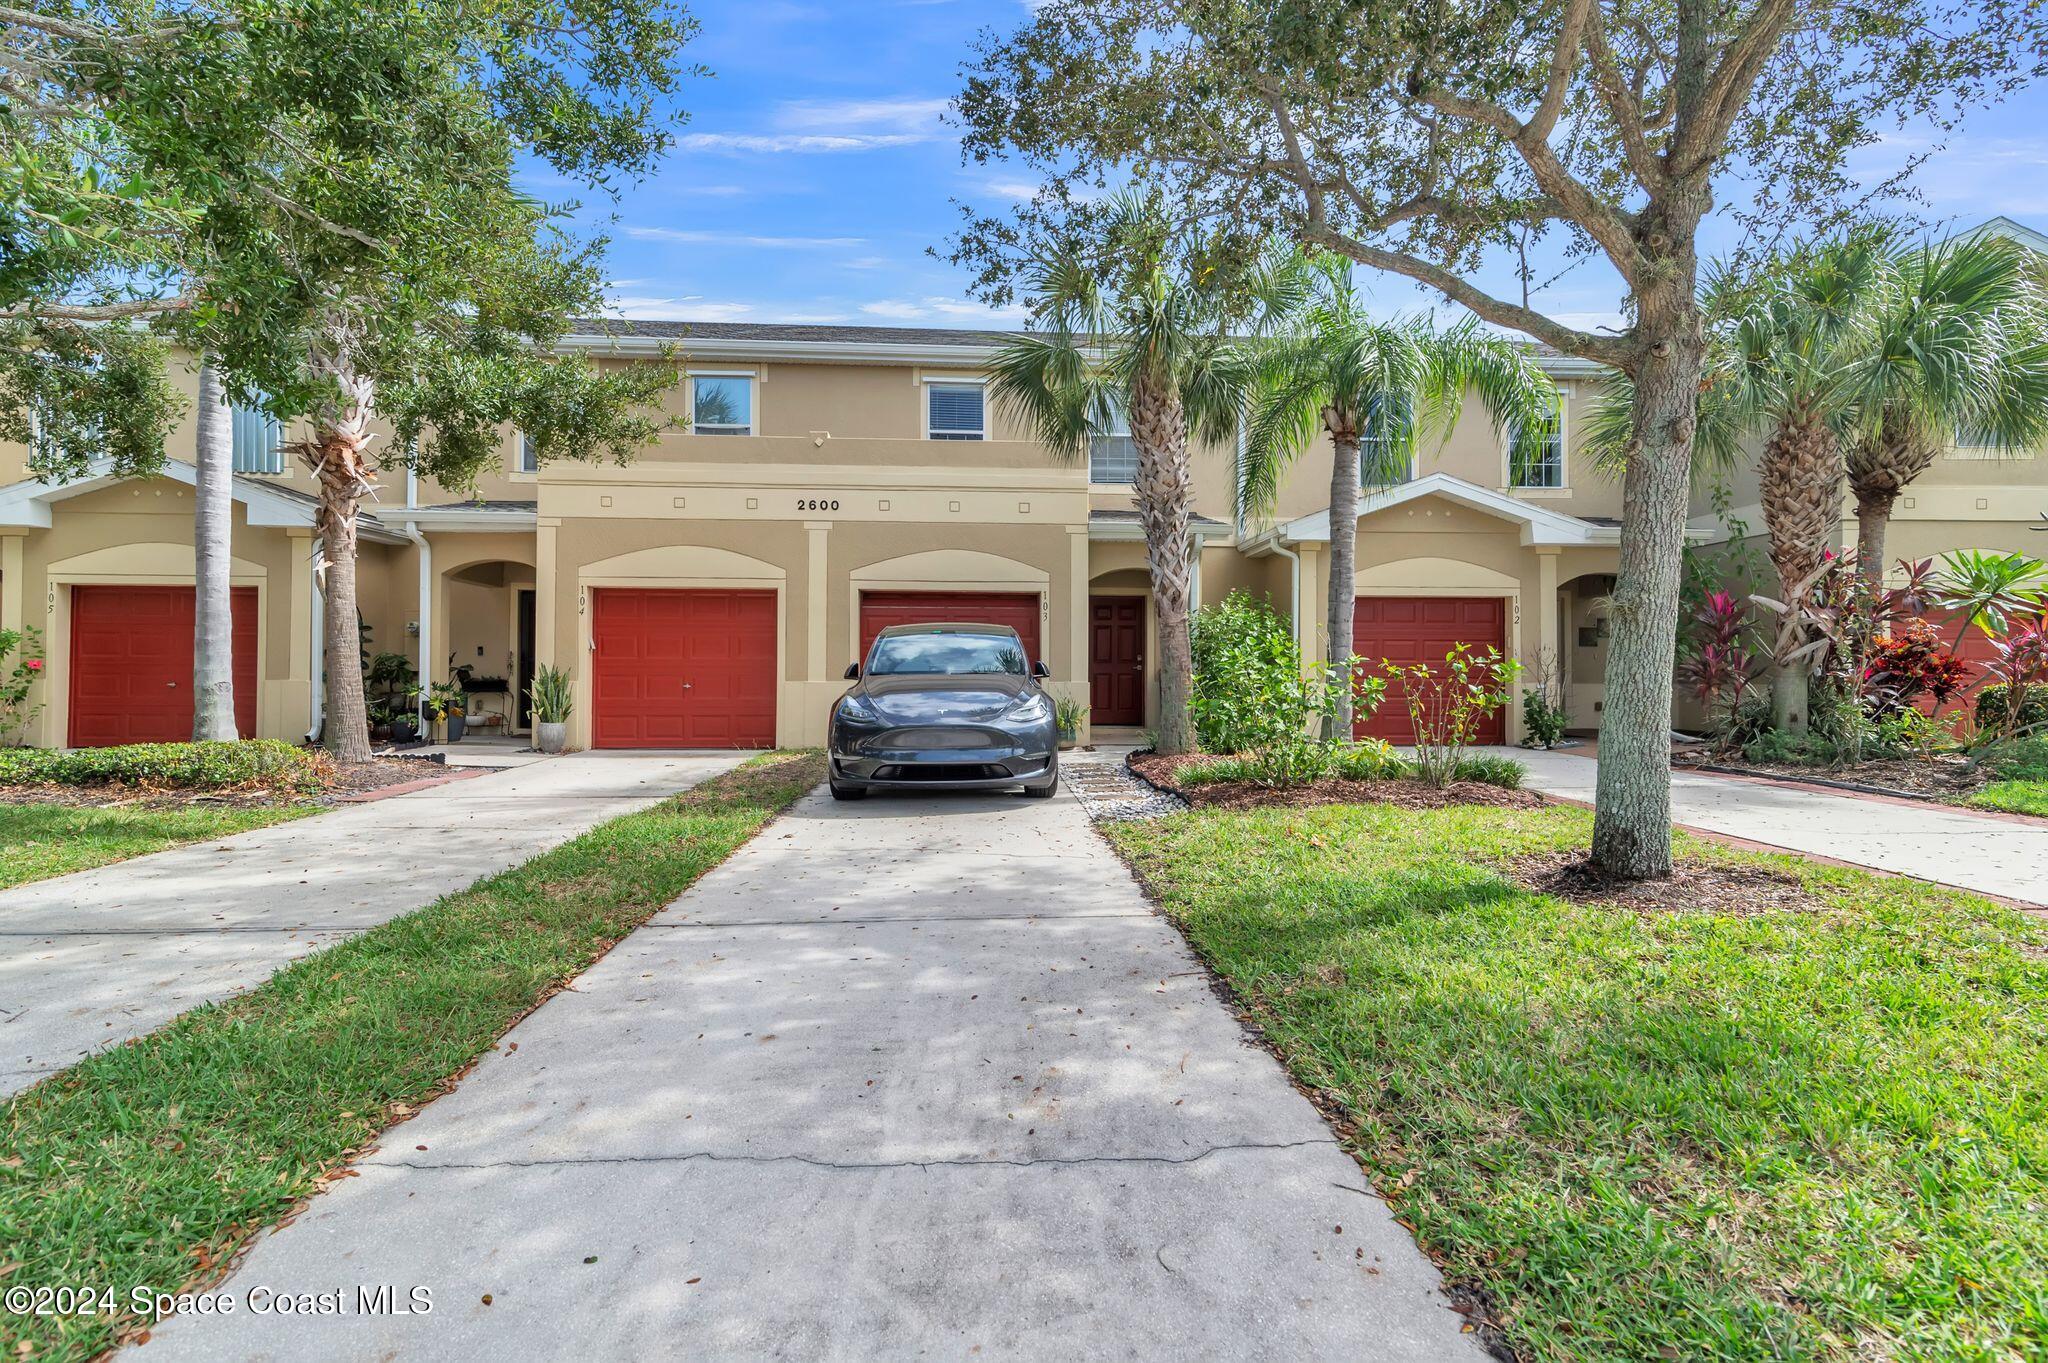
1536	456
1975	438
529	455
721	404
257	439
955	411
1385	454
1112	455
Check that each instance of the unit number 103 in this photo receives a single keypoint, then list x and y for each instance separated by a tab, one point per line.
817	504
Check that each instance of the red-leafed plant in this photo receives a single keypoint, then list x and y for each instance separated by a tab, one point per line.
1912	663
1717	666
2019	664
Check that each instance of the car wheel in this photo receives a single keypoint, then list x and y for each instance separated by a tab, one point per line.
840	792
1045	791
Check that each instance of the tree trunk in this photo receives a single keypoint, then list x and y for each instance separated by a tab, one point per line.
337	455
1873	518
213	519
1164	492
1343	571
1632	804
1799	482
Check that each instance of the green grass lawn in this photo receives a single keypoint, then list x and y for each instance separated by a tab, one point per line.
42	840
150	1162
1711	1134
2017	797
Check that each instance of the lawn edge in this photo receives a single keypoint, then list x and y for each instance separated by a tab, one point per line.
1465	1298
304	808
238	1240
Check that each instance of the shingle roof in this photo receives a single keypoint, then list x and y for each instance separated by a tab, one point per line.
483	504
1132	518
769	331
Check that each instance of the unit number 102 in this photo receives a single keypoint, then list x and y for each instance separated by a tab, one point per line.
816	504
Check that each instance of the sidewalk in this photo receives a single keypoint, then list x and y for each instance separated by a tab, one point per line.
92	959
1940	843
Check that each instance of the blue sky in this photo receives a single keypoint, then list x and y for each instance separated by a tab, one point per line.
815	172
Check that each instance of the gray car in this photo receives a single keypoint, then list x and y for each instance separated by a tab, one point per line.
944	707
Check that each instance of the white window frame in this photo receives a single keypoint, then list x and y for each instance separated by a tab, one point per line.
274	453
1564	454
1365	440
690	376
930	382
522	445
1120	431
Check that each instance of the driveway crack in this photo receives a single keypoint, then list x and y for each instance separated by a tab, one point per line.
851	1166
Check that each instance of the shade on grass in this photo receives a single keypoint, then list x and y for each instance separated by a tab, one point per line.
149	1162
42	840
1708	1134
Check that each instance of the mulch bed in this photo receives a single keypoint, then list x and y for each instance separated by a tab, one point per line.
1942	778
1163	772
1695	885
343	780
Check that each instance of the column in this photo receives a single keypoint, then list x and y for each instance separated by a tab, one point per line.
817	612
1075	668
1546	634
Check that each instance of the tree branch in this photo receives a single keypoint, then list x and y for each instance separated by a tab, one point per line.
1623	101
1728	85
86	313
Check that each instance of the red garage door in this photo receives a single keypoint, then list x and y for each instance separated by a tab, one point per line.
1422	629
131	664
682	669
879	610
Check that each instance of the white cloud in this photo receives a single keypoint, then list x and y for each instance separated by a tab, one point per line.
794	142
693	237
833	125
901	115
937	308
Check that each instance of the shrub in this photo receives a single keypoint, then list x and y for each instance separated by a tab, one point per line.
2023	759
1369	759
1994	710
1543	723
551	696
1910	664
1247	682
1491	770
1447	703
19	678
170	766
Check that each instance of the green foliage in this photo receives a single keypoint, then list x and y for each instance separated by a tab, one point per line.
1991	591
18	680
445	699
1069	714
1368	759
1725	1126
1448	701
2020	759
551	696
1995	711
1491	769
172	766
1247	683
1543	720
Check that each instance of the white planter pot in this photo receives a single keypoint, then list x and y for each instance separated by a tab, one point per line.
550	737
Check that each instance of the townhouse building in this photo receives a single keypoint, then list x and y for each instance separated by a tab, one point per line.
823	483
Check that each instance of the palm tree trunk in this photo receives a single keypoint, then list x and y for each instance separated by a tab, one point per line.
1800	484
213	520
1873	518
1164	491
1343	572
337	455
1632	800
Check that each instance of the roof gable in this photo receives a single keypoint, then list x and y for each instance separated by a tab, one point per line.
1539	524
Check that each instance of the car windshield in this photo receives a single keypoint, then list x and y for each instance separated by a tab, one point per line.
946	655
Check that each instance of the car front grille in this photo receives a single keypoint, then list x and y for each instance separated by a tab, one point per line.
938	740
941	771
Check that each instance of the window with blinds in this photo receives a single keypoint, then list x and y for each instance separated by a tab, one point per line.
1536	456
258	440
1112	454
1386	457
954	411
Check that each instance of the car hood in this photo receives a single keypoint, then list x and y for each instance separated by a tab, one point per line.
903	701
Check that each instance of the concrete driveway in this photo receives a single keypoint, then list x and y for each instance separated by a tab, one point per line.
92	959
1970	850
906	1078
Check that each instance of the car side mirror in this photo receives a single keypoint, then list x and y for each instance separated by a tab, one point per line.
852	671
1039	669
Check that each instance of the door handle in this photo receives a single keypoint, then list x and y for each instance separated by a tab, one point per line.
170	683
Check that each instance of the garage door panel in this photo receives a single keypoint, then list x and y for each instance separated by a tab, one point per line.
131	664
1018	610
1410	630
683	668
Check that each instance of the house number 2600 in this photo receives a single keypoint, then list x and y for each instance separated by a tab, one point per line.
816	504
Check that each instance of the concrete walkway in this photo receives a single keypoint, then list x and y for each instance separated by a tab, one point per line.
1949	846
911	1078
92	959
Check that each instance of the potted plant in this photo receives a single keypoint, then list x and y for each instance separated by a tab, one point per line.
550	698
1069	715
445	702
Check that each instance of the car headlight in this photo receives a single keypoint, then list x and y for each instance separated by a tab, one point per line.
1033	709
856	709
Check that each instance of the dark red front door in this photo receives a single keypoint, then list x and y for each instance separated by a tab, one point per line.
682	669
1422	629
131	664
1116	660
1018	610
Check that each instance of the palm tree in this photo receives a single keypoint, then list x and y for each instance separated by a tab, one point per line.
1371	386
213	518
1144	328
1788	356
1958	345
